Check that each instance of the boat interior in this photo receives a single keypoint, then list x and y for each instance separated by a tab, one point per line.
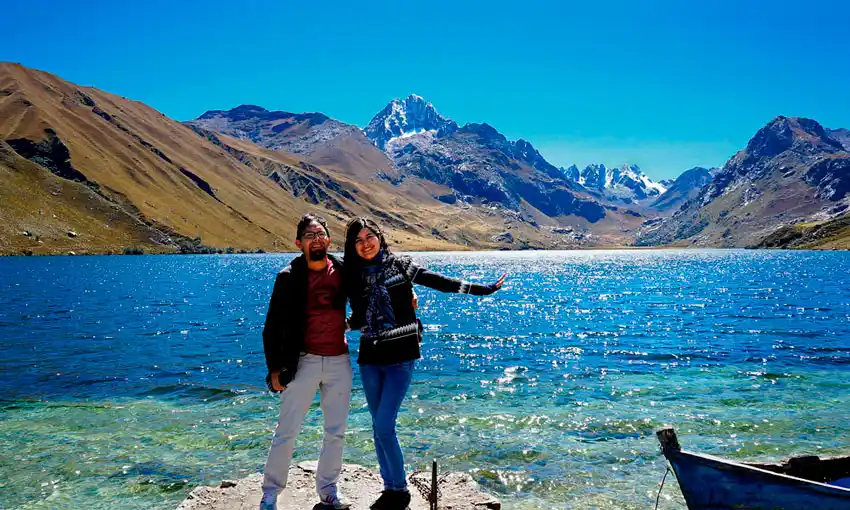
811	468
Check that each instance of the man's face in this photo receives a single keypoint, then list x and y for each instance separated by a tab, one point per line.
314	242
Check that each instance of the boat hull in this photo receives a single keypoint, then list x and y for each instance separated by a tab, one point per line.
709	483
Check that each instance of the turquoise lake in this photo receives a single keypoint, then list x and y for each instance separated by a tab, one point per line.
127	381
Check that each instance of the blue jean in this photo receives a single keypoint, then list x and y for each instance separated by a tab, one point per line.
385	387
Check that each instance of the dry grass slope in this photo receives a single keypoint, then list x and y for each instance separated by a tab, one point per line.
115	154
121	175
44	214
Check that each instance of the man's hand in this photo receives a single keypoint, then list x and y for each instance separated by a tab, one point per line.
415	301
276	381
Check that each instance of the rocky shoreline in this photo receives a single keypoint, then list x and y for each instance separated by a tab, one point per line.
359	485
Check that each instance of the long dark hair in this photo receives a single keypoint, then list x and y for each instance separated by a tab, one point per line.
354	227
353	262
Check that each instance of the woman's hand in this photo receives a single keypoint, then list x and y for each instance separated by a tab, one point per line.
499	282
493	287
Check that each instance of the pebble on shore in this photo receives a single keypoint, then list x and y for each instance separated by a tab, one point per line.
359	485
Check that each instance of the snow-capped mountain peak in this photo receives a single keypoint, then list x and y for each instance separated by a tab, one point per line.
634	173
627	183
403	117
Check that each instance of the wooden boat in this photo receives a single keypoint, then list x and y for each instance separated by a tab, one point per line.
800	483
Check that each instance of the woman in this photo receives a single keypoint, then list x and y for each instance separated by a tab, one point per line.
379	285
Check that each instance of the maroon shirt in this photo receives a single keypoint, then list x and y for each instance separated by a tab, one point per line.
324	334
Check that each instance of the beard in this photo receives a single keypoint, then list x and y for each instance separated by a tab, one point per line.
317	253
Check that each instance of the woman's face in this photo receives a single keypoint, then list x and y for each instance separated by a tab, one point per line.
367	244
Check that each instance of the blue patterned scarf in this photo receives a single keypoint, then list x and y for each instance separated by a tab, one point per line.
379	308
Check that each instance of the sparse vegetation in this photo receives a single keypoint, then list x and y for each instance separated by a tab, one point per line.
194	246
831	234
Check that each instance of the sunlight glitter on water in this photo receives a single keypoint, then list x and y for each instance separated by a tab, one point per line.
549	392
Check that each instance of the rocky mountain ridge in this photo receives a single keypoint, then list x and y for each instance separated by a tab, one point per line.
87	171
626	184
470	166
295	133
684	188
792	171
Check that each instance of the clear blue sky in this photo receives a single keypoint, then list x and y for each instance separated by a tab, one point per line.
664	84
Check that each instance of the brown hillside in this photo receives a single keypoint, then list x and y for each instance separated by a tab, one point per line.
348	185
129	150
124	155
43	213
119	174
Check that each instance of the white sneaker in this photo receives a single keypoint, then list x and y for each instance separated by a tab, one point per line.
332	501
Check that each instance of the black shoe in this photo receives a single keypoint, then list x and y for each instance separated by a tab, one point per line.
400	500
383	501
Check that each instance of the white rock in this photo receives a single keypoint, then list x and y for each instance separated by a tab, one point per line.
359	485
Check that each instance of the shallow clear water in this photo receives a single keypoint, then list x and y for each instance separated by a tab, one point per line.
133	379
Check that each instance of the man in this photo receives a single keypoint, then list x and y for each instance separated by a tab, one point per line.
305	347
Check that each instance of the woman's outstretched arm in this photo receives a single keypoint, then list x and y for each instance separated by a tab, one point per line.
422	276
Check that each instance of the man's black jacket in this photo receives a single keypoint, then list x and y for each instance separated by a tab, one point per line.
283	333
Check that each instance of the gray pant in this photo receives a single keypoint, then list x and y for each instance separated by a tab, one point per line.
332	376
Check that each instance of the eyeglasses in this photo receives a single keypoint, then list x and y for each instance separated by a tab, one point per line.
309	236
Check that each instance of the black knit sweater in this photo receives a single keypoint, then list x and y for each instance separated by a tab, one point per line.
398	274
